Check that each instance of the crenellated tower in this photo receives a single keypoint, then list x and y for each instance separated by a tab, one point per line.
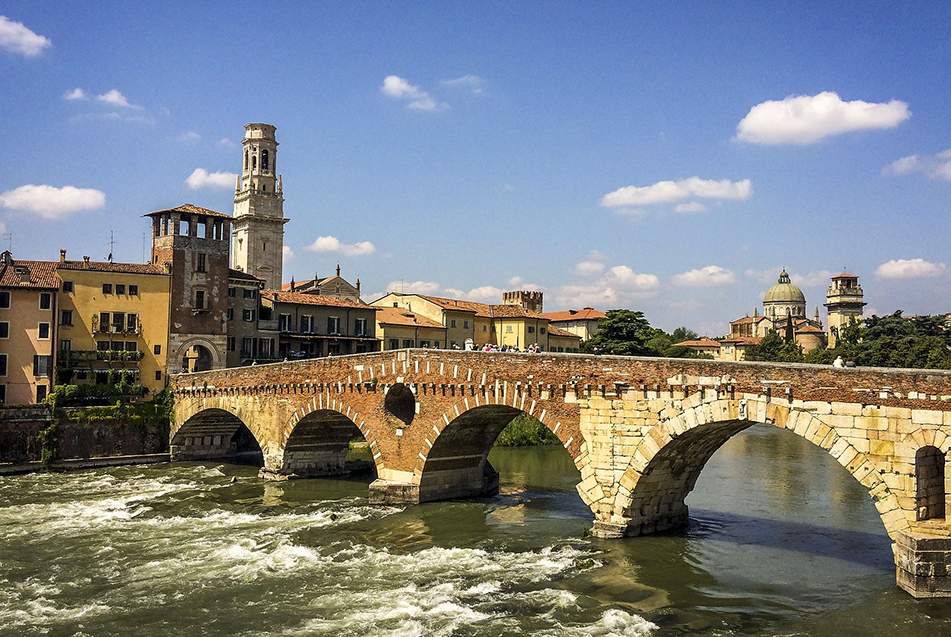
844	300
258	235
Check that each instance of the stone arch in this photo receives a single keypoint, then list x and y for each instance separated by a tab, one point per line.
929	483
209	431
668	460
217	358
318	433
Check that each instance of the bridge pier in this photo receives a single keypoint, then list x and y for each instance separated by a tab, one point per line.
207	447
470	482
923	562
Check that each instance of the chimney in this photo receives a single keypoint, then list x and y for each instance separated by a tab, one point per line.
62	256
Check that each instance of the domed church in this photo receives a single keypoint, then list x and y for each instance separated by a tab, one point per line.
784	303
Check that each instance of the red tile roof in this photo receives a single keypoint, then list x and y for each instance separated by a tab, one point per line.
27	275
191	209
701	342
299	298
557	331
109	266
240	275
399	316
479	309
585	314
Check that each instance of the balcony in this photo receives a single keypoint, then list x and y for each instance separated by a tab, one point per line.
113	328
110	355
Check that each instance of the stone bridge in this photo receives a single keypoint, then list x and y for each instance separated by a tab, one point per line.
639	429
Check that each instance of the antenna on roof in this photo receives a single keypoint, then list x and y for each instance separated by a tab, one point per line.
112	245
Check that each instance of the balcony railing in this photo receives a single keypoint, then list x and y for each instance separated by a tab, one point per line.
89	355
112	328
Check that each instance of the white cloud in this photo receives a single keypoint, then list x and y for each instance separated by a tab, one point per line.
415	287
49	202
666	191
287	254
16	38
332	244
935	166
804	119
201	178
517	282
589	268
619	286
190	137
712	275
693	206
910	269
398	88
115	98
473	83
75	94
224	142
485	294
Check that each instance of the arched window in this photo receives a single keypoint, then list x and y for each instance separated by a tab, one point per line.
264	160
929	483
245	160
254	163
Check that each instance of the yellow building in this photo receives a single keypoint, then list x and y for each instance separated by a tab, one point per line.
478	324
114	317
27	329
399	329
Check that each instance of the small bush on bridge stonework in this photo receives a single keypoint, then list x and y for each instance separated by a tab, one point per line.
525	431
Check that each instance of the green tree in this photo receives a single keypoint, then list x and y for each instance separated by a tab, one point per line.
622	332
774	348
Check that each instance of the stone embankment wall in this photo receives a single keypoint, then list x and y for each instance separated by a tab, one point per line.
76	435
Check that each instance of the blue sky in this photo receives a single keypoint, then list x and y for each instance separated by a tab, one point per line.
666	157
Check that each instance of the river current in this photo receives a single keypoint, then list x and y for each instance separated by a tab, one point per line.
782	541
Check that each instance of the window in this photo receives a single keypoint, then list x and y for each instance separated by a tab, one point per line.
131	346
158	374
41	365
360	327
246	346
117	346
531	329
4	300
118	322
465	324
4	329
306	324
333	325
103	323
264	159
232	292
120	288
44	331
66	317
107	288
231	341
542	330
3	393
394	343
102	346
199	299
407	342
247	315
248	294
284	322
65	345
3	364
452	323
230	313
508	329
485	327
41	393
201	262
46	301
157	349
67	286
133	290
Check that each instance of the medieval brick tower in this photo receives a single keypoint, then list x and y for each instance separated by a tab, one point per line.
258	236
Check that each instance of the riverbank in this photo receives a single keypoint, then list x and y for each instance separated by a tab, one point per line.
13	469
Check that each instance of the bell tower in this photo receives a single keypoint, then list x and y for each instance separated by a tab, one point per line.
258	235
844	300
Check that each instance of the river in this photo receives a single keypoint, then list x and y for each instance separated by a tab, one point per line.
782	541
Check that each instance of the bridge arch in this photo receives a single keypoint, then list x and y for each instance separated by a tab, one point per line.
316	440
670	457
212	431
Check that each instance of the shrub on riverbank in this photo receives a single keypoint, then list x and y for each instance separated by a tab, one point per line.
525	431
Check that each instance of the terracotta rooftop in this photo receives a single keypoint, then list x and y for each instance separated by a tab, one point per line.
557	331
845	275
809	329
479	309
399	316
513	311
743	340
240	275
700	342
28	275
191	209
300	298
109	266
584	314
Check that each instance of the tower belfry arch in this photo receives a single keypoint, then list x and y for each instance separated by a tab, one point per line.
258	235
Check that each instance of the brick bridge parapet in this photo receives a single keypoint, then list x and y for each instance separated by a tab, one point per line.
639	429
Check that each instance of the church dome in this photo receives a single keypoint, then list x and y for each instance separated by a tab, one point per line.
784	292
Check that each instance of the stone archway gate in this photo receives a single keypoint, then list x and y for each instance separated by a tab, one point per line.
639	429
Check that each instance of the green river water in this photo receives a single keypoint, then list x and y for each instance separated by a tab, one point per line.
782	541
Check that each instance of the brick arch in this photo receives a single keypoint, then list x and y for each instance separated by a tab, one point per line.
670	458
335	411
213	416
